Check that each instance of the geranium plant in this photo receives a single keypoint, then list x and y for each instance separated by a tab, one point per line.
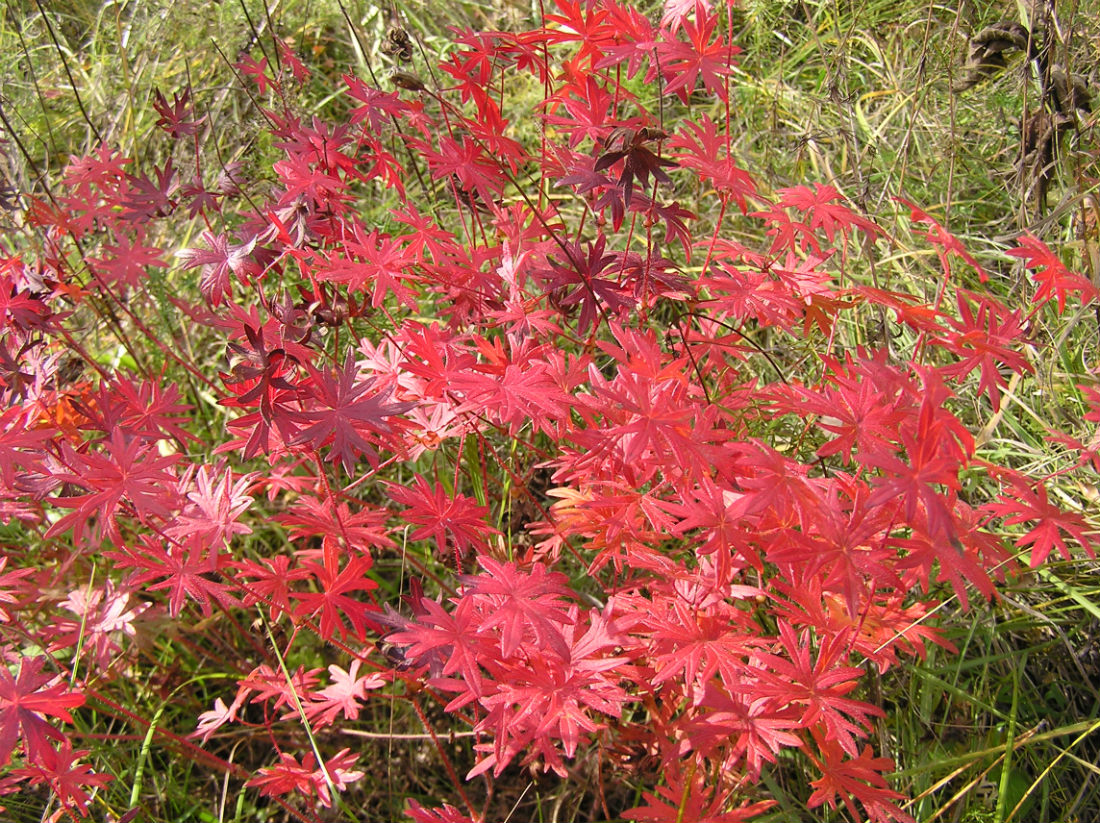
668	475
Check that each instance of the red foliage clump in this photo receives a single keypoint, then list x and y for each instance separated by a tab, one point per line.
725	550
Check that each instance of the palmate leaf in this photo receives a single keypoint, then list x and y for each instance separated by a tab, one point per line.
699	146
189	570
577	282
346	415
176	117
1054	279
639	161
1025	501
341	696
218	262
683	64
443	814
331	604
66	777
555	700
818	687
453	520
987	337
307	777
844	779
692	796
675	11
518	603
128	476
26	699
20	444
450	643
148	198
822	212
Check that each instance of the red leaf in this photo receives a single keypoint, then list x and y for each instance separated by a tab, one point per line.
1054	279
24	701
449	519
683	64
